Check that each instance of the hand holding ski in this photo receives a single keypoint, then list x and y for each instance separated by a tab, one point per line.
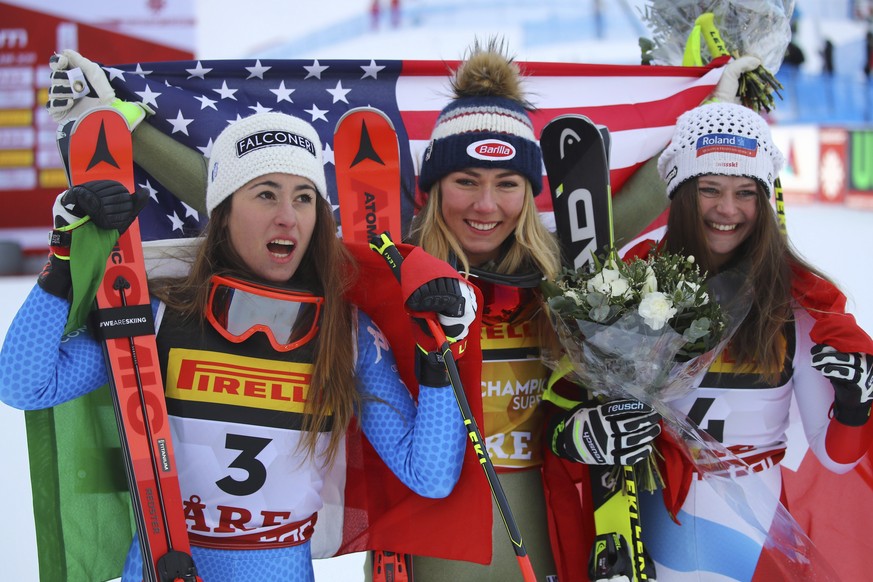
101	164
385	247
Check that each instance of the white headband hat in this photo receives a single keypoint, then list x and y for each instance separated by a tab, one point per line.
261	144
723	139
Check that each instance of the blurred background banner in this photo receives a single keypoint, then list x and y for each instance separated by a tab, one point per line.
31	173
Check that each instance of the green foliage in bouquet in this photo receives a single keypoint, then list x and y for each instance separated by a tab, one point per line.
664	290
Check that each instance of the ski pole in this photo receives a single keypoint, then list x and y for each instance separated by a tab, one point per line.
383	245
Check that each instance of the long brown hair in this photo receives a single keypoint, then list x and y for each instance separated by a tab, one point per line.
767	258
328	269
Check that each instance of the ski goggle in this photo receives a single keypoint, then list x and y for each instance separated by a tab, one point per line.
237	309
508	299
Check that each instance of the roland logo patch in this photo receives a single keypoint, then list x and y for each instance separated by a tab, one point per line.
727	143
493	150
263	139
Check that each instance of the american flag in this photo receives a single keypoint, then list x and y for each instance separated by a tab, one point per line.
195	100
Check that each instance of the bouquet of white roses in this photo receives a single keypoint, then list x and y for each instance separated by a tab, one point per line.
627	326
646	329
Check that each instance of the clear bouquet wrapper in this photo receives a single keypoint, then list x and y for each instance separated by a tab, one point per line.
693	32
760	28
626	358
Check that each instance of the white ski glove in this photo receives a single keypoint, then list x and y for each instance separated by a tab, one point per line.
852	378
729	84
80	85
619	432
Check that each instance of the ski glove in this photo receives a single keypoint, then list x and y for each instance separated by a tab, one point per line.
79	85
106	203
851	377
729	85
619	432
454	301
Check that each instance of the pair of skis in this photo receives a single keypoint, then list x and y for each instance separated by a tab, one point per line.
100	148
575	153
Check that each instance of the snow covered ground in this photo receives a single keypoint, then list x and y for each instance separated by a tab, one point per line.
834	238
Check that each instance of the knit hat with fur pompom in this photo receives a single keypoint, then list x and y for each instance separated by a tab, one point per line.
260	144
487	123
722	139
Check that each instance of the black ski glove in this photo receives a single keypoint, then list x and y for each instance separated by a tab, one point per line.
850	375
454	301
619	432
106	203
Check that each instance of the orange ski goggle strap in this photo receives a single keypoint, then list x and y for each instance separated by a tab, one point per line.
237	309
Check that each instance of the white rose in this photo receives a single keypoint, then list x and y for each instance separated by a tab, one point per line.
656	310
620	287
609	282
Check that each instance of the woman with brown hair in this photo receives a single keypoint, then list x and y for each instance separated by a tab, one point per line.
283	361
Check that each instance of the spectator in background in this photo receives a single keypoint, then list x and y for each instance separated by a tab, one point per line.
827	55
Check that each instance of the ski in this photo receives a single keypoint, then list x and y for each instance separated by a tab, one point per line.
575	154
367	162
578	173
100	149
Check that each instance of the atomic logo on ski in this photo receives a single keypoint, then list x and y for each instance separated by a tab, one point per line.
366	151
367	161
101	150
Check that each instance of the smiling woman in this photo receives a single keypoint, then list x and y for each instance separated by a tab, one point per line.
280	359
796	343
481	171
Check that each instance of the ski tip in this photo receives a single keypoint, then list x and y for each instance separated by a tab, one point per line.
366	109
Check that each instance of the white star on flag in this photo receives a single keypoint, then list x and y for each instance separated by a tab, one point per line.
149	97
225	91
198	71
338	93
180	123
316	113
282	94
257	72
206	102
314	70
372	70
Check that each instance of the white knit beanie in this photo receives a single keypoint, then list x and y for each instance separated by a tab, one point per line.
722	139
261	144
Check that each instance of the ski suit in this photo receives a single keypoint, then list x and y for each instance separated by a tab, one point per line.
751	419
239	523
709	540
512	383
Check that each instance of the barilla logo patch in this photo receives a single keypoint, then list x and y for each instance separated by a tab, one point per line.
727	143
264	139
493	150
